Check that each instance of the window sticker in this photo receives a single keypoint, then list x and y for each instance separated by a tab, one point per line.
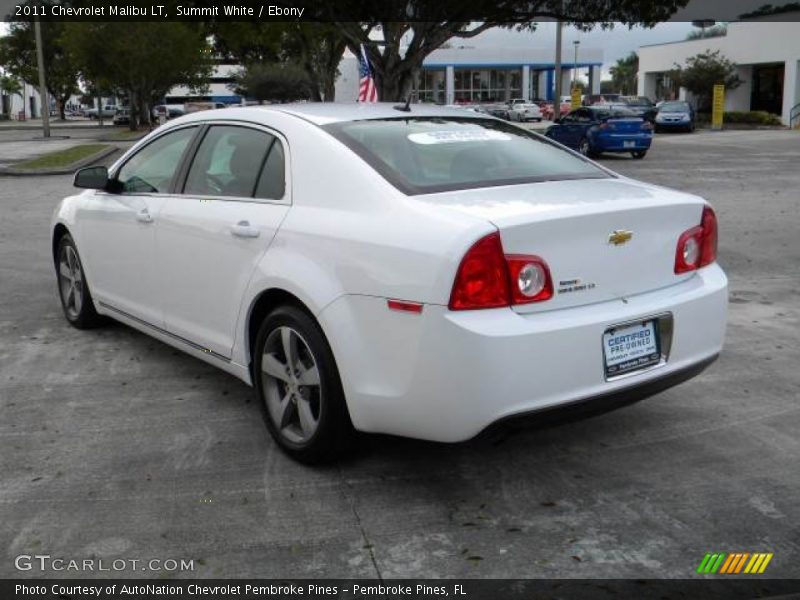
450	137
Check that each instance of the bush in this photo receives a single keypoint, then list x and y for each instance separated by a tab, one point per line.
753	117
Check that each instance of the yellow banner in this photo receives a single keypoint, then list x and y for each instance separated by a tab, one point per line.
576	97
718	107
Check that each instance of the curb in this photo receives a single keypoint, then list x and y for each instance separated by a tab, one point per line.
62	170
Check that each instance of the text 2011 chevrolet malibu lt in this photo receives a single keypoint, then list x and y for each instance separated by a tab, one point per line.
423	273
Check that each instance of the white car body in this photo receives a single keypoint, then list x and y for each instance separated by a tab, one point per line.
526	112
344	240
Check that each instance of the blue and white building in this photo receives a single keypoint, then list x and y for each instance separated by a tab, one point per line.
488	74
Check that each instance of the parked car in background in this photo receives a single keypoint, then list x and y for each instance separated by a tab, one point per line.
423	273
501	111
675	115
592	99
548	110
171	111
641	105
592	130
122	116
107	112
525	111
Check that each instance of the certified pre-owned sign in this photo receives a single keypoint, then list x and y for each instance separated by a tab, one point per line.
46	562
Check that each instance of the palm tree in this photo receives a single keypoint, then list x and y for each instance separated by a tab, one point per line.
624	74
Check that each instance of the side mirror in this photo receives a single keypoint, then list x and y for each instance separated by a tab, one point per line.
92	178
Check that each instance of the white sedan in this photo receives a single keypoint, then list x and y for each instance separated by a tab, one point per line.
525	111
425	272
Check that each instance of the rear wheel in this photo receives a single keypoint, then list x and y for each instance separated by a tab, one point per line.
639	154
584	147
298	384
76	300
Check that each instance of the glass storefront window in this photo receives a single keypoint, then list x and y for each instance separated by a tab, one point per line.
487	85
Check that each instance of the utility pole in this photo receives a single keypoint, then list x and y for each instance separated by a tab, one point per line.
575	65
44	100
557	99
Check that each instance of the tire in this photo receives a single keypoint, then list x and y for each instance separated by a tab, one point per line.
584	147
639	154
309	421
73	289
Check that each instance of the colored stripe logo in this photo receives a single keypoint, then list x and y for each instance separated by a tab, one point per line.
734	563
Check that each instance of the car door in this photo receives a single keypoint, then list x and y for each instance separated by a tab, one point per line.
566	132
117	234
211	236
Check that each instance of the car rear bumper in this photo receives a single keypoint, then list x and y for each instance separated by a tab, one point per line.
447	376
617	142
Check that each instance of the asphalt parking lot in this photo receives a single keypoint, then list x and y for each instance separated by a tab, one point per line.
113	445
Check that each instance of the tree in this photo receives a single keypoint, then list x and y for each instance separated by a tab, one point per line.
397	59
142	60
273	82
18	56
702	72
720	30
314	46
624	74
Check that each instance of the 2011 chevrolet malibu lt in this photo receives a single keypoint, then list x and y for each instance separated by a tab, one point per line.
419	271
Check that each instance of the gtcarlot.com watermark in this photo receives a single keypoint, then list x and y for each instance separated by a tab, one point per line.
45	562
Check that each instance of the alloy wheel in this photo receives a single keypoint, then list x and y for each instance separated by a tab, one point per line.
70	282
291	384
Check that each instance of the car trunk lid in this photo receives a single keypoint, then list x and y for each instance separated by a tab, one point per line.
603	239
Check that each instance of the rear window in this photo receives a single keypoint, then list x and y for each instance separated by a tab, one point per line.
613	112
427	155
674	107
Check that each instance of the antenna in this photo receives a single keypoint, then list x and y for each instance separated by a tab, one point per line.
404	107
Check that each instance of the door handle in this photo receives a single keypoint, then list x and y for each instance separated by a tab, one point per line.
245	230
144	216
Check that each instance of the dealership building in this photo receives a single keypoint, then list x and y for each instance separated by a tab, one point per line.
488	74
767	55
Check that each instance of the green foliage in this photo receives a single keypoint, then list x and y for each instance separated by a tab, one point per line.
143	60
62	158
10	86
316	47
624	74
398	59
754	117
274	82
18	57
720	30
702	72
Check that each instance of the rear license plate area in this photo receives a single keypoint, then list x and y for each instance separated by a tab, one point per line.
631	347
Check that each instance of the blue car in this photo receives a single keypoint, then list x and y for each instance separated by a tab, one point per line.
592	130
675	116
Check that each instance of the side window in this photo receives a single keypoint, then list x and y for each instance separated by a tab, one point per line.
152	168
228	162
570	118
583	115
272	182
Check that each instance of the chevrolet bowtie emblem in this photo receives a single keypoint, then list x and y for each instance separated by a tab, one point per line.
619	237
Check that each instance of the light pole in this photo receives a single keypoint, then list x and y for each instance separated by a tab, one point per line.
575	65
43	98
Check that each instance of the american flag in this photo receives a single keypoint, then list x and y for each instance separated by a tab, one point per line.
367	92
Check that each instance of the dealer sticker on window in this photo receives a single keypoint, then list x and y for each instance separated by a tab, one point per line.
631	347
450	137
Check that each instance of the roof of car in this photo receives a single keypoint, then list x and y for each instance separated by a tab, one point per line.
322	113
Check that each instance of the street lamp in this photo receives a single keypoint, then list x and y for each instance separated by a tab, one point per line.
575	64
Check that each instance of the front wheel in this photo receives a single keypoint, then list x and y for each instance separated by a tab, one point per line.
639	154
76	300
298	385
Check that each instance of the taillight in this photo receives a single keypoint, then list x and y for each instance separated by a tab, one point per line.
697	247
487	278
607	125
530	279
